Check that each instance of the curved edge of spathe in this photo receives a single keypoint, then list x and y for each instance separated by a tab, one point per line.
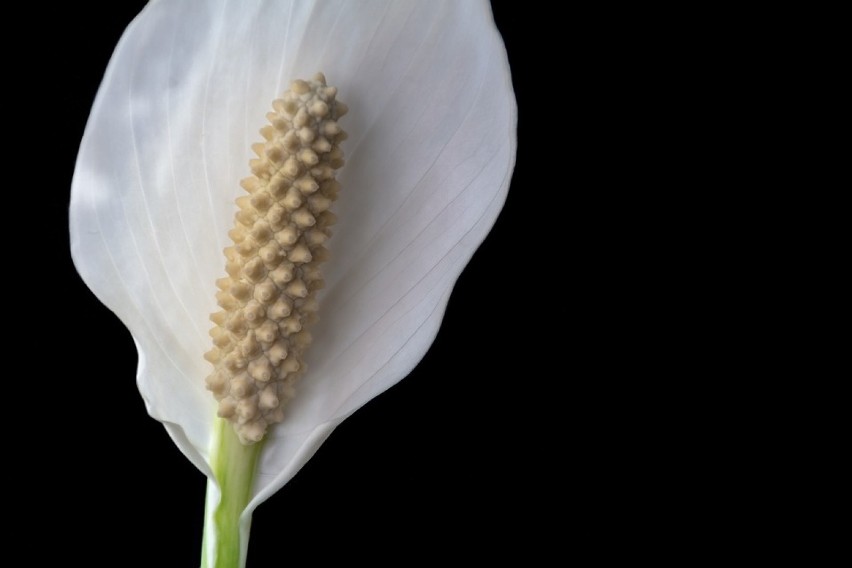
175	431
305	452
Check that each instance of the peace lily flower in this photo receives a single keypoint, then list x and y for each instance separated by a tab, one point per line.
429	155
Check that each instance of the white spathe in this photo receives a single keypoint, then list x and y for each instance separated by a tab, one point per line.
429	157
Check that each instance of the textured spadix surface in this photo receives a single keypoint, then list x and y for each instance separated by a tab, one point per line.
268	299
429	157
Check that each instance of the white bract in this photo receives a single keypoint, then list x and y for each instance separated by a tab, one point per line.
428	162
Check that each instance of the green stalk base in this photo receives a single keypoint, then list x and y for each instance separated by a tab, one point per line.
234	466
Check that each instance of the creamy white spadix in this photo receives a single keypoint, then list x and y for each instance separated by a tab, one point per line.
268	298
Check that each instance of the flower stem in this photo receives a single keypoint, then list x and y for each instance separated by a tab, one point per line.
233	465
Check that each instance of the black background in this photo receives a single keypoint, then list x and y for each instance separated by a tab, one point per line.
460	458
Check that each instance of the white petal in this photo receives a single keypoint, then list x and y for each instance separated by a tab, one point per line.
430	154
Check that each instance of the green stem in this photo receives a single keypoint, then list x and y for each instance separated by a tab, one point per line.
233	465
